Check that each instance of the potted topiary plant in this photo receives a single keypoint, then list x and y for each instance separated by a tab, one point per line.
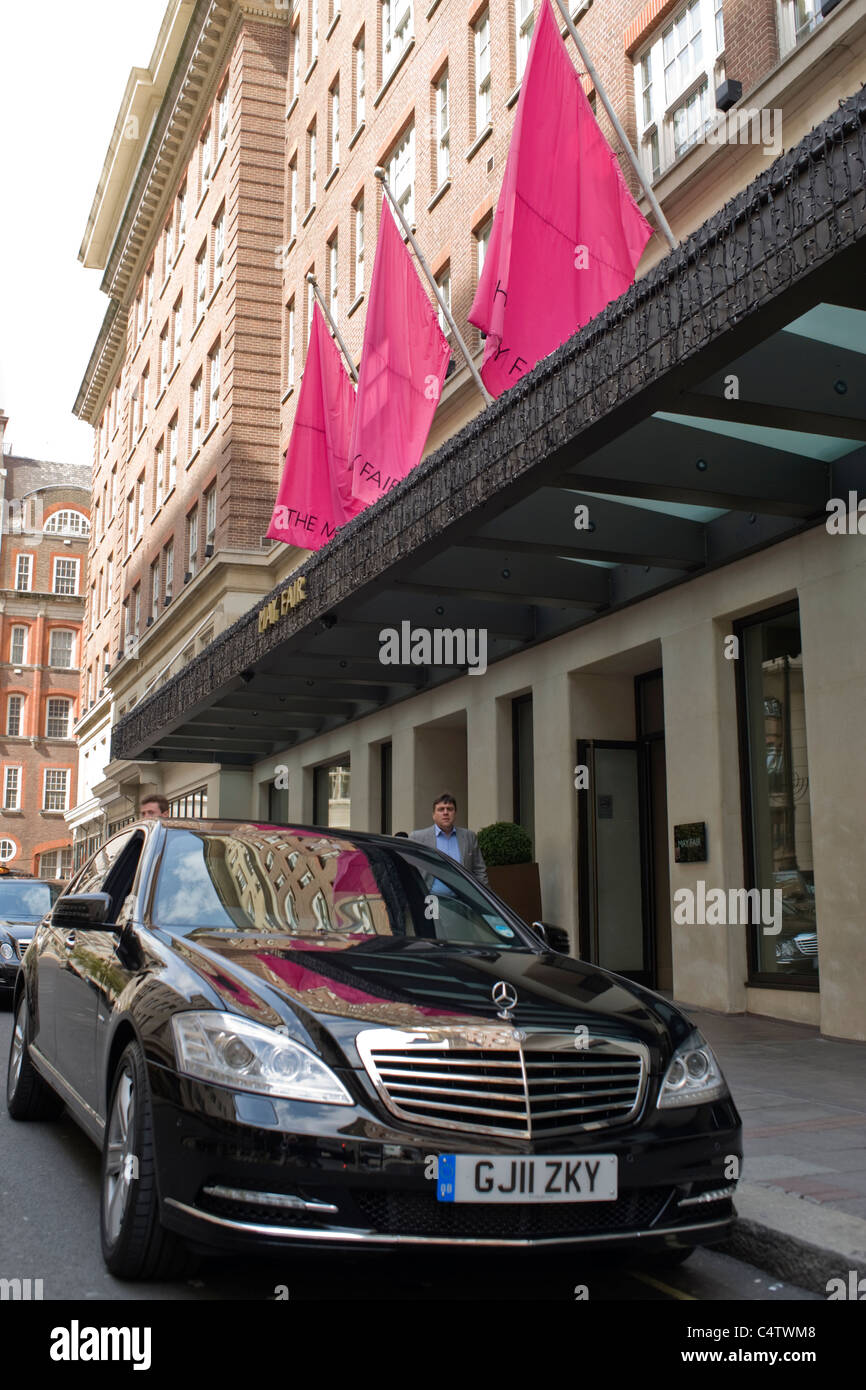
507	851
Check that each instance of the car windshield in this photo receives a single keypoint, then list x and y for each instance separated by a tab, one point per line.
266	880
24	899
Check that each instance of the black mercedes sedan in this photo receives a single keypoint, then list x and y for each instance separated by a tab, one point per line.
323	1038
24	901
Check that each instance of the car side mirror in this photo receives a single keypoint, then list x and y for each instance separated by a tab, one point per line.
83	910
554	938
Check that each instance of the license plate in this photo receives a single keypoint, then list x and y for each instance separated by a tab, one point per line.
551	1178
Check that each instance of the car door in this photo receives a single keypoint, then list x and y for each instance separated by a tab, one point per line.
85	957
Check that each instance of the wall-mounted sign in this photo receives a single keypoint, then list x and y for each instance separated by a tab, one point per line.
690	843
290	597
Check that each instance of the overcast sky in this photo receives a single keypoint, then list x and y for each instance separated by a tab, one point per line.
63	69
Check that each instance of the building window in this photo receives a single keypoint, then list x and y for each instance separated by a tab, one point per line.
335	125
168	248
65	576
219	246
163	365
314	29
215	373
181	216
360	80
311	166
674	79
56	863
195	407
12	789
482	239
443	132
311	300
136	616
168	556
797	19
138	316
778	828
204	162
524	19
290	343
24	573
396	32
159	476
57	719
154	589
192	542
139	507
443	282
210	513
130	521
222	121
61	645
358	285
691	119
483	106
293	199
67	523
192	804
109	580
148	296
177	331
8	850
144	398
295	64
56	787
14	706
333	274
172	453
401	174
18	646
201	280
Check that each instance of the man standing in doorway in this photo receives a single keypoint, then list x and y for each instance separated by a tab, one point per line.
457	842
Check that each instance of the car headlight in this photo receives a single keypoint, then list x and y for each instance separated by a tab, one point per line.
6	951
233	1051
693	1076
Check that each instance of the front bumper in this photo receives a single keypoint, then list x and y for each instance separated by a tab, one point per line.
241	1171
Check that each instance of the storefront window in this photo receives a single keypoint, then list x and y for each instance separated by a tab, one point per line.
331	802
779	821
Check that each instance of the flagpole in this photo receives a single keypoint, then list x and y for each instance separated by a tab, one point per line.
311	279
380	175
626	143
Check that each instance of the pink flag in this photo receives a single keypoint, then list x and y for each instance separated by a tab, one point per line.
315	495
567	235
403	365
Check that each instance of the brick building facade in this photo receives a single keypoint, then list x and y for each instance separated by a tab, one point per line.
43	567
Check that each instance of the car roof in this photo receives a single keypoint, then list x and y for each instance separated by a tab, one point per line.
224	825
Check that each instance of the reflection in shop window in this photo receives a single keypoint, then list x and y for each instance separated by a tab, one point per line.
779	811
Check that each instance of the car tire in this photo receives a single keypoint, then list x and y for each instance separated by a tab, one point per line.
135	1244
28	1097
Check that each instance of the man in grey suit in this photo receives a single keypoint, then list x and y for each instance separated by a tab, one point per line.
457	842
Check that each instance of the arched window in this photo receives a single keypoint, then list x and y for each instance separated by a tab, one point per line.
61	646
67	523
8	850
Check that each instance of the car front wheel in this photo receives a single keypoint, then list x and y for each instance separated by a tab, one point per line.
28	1097
135	1245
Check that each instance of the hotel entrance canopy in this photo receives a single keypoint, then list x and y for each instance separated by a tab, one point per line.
710	412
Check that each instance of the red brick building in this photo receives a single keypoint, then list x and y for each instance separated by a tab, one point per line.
43	568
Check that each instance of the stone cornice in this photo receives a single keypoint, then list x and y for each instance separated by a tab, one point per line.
105	360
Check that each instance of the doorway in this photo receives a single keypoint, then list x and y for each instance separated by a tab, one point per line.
623	870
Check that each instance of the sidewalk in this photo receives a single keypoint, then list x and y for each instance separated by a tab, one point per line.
801	1201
